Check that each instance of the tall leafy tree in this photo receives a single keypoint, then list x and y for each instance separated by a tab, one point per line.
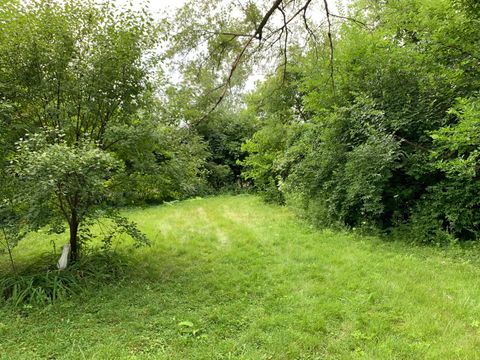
80	71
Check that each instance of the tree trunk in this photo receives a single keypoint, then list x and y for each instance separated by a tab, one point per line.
7	244
74	248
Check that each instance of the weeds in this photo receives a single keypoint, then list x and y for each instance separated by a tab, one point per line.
38	289
39	285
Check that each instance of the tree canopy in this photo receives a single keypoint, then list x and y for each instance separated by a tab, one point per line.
383	149
367	115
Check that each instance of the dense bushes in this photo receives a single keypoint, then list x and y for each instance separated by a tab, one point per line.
223	133
453	204
163	163
349	165
389	145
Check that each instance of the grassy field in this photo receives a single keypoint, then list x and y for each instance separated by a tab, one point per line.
233	278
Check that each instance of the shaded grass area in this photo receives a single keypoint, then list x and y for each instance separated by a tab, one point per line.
233	278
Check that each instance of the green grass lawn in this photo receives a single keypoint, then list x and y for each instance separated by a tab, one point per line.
233	278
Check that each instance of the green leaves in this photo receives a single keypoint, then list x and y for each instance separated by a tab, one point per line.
383	149
66	177
456	147
78	66
70	182
73	77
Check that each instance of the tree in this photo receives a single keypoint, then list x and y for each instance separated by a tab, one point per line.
277	110
452	204
74	65
236	36
73	76
183	104
63	181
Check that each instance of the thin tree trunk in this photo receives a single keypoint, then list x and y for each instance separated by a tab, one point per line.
12	263
10	255
74	248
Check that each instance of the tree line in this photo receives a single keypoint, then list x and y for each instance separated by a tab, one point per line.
394	145
370	120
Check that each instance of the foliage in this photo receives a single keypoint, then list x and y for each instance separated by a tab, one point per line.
65	182
451	207
382	148
277	111
220	134
347	161
39	284
456	151
38	289
224	132
73	78
74	65
163	162
13	227
75	178
261	164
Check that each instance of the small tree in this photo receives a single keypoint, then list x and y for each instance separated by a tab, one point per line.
60	181
12	224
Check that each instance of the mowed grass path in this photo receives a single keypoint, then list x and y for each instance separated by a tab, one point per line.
233	278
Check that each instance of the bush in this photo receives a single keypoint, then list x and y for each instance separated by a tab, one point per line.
263	164
39	289
343	166
452	206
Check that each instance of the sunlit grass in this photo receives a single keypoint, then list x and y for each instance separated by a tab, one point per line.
232	278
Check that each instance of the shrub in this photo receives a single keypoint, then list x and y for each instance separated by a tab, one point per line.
452	206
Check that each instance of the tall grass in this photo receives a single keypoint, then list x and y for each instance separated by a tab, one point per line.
40	284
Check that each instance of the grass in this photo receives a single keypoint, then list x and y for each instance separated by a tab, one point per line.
233	278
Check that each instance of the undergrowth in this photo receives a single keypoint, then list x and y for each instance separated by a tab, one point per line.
41	283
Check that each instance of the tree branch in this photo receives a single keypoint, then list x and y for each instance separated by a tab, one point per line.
358	22
330	42
256	35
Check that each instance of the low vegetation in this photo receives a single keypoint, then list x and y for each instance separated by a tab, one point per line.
232	278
